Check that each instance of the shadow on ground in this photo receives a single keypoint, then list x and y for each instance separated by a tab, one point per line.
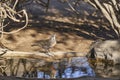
85	30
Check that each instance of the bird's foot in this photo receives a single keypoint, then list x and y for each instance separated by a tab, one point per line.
50	54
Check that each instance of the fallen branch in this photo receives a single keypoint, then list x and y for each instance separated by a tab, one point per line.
41	55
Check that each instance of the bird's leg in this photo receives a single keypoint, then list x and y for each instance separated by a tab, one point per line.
47	51
69	60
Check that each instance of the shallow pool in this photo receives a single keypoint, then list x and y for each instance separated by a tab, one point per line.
65	68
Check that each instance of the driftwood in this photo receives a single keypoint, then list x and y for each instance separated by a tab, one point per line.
41	55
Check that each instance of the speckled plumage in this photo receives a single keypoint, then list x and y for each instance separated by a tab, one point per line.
47	43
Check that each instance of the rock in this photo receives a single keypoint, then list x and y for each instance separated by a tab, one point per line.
107	50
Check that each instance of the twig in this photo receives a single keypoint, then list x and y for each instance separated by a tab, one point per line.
8	12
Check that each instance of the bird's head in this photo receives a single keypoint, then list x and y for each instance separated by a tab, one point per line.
52	38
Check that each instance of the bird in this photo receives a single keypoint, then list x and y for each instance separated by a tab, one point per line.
46	44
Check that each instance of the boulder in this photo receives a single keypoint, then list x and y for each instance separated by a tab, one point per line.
107	50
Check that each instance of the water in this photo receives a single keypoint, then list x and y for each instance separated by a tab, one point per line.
78	67
65	68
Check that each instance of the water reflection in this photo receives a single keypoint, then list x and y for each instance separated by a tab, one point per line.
19	67
77	67
65	68
105	69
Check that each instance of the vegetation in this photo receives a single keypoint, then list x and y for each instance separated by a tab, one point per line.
8	13
111	10
11	11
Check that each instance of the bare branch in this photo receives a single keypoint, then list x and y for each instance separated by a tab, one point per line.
90	2
9	12
107	14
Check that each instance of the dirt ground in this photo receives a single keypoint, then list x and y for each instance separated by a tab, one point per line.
70	37
72	33
66	40
75	37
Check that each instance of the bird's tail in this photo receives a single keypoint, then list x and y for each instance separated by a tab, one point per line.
2	46
35	44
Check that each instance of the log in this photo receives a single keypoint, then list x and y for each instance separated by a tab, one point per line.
42	55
